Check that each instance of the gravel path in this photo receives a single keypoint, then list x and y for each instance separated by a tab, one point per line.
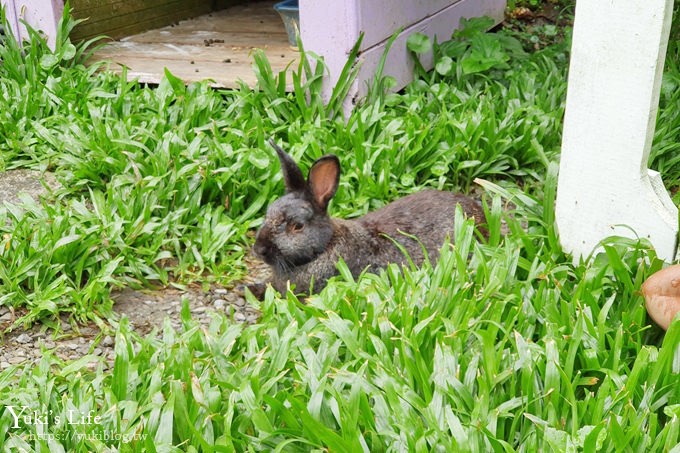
146	310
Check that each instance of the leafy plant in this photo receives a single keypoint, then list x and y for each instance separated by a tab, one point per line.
525	3
471	49
664	153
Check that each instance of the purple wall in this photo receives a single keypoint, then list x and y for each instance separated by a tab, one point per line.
40	14
330	29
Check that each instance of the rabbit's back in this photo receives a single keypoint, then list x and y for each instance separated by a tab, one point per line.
427	215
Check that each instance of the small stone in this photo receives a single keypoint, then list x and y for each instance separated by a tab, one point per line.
72	346
219	304
23	338
97	351
239	302
220	291
50	344
16	360
239	317
107	341
89	331
66	326
4	365
199	309
236	299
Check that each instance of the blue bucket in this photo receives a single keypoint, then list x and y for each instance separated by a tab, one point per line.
289	10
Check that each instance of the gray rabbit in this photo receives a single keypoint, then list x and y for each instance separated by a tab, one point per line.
302	244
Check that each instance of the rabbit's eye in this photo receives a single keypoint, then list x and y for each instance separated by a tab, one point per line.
296	227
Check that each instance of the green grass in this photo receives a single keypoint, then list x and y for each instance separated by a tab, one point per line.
165	183
665	149
503	345
498	347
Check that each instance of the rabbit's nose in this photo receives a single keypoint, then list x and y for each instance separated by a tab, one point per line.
259	248
262	246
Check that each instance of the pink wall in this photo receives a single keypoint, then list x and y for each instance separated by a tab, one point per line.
330	29
40	14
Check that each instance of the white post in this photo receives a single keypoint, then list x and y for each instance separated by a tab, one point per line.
604	186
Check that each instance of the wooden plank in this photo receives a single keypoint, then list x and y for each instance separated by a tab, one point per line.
225	75
97	10
182	50
120	18
84	5
187	53
252	17
149	8
133	12
215	27
258	17
604	187
119	27
182	36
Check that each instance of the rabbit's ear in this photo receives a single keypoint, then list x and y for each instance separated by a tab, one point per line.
292	175
324	177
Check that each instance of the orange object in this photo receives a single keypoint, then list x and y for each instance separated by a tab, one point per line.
662	295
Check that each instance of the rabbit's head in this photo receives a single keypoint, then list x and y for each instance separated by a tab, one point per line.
297	228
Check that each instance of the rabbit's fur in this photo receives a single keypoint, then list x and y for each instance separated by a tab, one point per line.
302	243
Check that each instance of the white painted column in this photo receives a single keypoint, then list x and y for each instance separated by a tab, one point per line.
618	52
39	14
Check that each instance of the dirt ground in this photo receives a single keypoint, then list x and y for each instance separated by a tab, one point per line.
146	310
